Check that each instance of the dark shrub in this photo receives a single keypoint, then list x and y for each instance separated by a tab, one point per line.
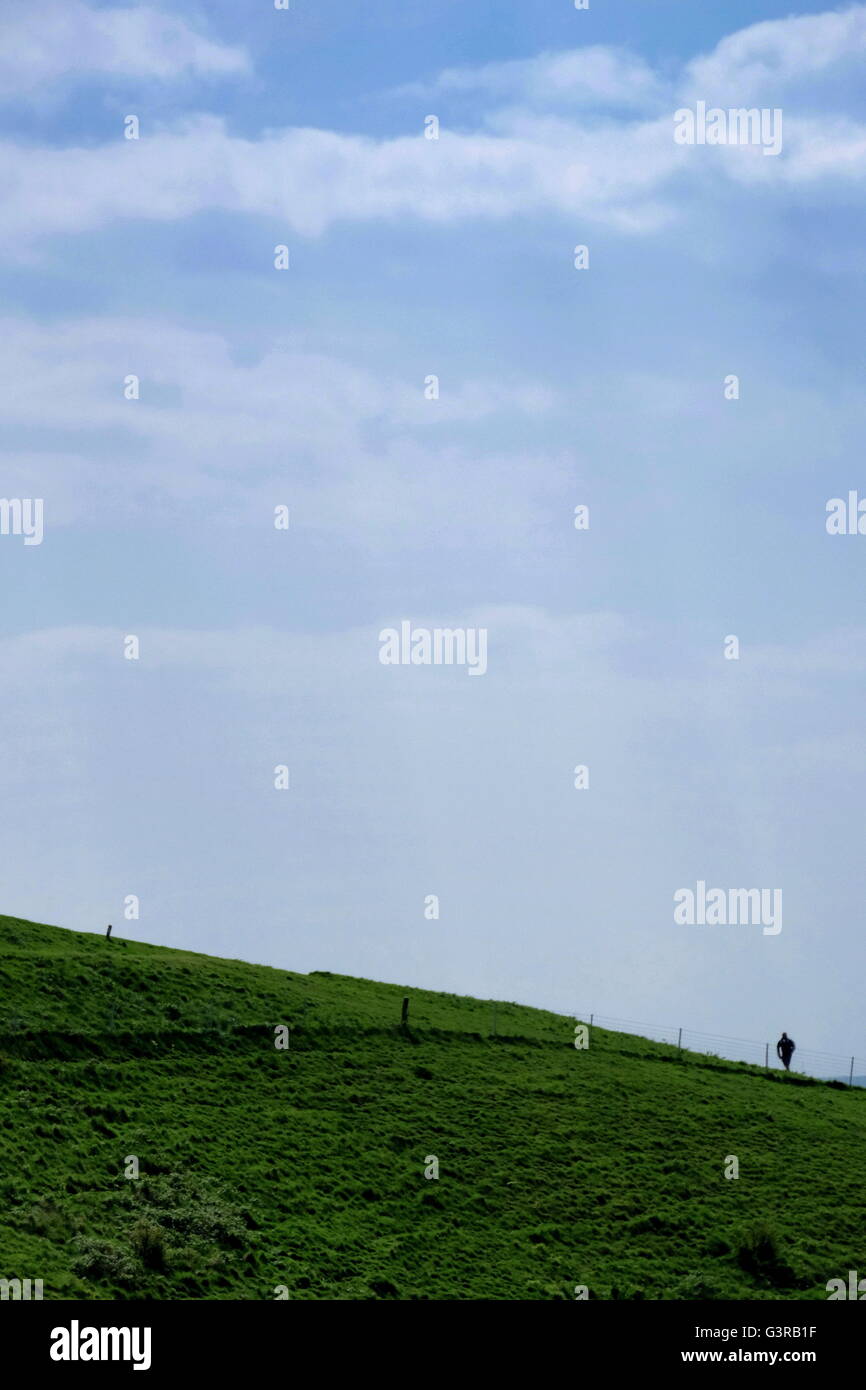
148	1242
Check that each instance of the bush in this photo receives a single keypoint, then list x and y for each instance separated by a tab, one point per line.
148	1242
97	1259
178	1203
759	1253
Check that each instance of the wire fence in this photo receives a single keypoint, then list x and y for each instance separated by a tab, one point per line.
825	1066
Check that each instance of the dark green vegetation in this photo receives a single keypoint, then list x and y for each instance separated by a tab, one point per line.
305	1167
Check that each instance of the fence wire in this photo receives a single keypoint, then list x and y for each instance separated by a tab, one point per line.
824	1066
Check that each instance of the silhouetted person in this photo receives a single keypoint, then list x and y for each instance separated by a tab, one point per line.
108	933
785	1050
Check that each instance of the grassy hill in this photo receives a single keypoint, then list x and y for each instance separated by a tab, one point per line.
305	1167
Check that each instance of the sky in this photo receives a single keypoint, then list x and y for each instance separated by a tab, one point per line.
409	258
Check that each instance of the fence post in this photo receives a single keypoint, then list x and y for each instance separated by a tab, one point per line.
851	1073
494	1020
680	1041
405	1014
766	1056
591	1017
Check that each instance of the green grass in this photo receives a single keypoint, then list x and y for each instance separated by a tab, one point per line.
305	1167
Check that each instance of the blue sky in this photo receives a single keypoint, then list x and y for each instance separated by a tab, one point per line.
557	387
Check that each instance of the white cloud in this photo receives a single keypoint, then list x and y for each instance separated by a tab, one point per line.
309	179
594	76
523	159
830	149
68	39
758	62
354	451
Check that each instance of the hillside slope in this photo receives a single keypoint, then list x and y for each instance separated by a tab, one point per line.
305	1167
